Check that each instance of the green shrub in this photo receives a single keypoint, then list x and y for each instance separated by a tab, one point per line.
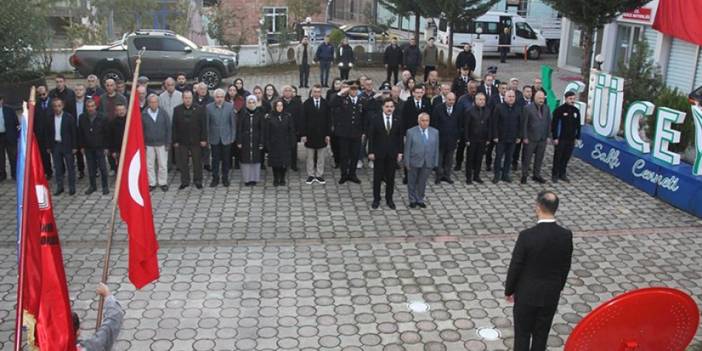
336	36
671	98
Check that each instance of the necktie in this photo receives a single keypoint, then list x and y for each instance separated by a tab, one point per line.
488	91
426	136
419	106
316	104
388	125
449	111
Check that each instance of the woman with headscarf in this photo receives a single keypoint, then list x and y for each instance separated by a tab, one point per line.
280	135
249	141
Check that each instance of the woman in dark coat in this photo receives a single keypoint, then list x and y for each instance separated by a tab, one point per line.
249	141
280	136
346	59
335	87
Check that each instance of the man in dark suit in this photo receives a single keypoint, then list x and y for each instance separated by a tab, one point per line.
61	138
385	133
506	120
492	98
349	127
316	134
412	108
537	274
488	87
392	59
9	125
460	84
92	139
189	135
449	120
42	122
477	135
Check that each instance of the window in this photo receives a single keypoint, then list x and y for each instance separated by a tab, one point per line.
524	31
151	44
276	19
627	36
442	25
172	45
488	27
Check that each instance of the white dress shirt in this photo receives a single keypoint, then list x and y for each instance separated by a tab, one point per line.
152	114
57	127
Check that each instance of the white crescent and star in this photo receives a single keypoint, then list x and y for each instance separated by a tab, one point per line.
133	178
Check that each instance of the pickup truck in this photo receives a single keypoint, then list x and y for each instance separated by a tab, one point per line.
166	53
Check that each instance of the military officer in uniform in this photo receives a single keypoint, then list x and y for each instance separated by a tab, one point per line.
348	121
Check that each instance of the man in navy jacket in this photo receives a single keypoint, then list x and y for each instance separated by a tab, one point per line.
325	56
8	139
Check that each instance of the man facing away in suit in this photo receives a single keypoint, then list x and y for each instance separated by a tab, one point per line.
537	274
385	133
421	157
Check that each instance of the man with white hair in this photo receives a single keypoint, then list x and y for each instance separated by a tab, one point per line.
157	137
221	133
167	101
92	89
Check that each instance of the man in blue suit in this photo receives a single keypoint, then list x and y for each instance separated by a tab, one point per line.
8	139
421	157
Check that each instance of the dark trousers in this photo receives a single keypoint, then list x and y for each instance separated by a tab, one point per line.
293	154
460	152
221	155
475	159
344	73
412	70
324	67
80	162
183	154
64	157
384	171
535	149
489	149
235	157
445	161
335	150
531	326
348	155
518	150
279	174
561	156
428	69
46	160
11	150
96	161
304	75
503	159
393	71
503	54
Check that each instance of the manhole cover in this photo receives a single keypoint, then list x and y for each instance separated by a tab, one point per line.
489	334
418	306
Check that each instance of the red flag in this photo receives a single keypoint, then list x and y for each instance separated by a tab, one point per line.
45	303
681	19
135	204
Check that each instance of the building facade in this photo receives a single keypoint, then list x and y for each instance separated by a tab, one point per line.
680	61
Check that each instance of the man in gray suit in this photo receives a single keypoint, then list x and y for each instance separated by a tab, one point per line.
221	133
421	157
535	130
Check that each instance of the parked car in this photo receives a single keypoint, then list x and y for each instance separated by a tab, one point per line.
166	54
490	25
314	30
361	31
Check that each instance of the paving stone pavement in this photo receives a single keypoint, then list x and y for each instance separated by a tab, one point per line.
314	268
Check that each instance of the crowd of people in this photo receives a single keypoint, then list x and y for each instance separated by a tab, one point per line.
467	123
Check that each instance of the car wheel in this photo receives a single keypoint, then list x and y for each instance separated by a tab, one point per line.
534	53
111	73
210	76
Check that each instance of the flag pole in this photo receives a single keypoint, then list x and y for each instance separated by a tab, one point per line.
118	183
25	219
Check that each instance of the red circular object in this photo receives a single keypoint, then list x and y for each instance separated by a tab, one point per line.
651	319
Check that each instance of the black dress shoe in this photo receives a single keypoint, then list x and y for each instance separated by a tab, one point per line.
208	168
448	180
554	179
391	204
164	188
437	182
294	169
183	186
413	205
523	180
105	191
478	180
282	183
198	185
214	183
151	188
507	179
376	204
495	180
81	175
355	179
72	192
90	191
342	180
404	180
422	205
457	168
469	181
565	179
58	191
225	182
488	168
539	180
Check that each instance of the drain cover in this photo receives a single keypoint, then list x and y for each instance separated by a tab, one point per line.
418	306
489	334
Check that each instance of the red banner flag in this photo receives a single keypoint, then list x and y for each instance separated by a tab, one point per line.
45	302
681	19
135	205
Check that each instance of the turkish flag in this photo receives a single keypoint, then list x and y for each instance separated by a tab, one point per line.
45	303
681	19
135	204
